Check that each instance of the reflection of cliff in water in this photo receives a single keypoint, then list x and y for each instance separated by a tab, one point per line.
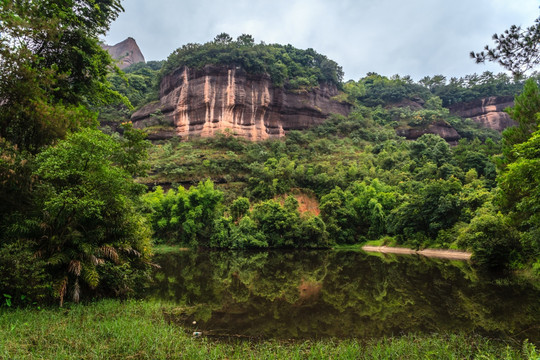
343	294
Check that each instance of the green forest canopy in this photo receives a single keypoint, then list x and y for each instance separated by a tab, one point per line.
286	65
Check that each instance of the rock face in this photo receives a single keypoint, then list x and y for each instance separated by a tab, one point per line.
126	53
215	98
489	112
441	128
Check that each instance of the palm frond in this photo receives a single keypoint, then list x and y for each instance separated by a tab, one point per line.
90	276
75	267
58	258
132	251
110	253
61	288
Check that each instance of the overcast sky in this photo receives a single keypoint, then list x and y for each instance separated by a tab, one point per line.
414	37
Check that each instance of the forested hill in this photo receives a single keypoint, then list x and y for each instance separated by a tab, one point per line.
305	87
76	219
286	65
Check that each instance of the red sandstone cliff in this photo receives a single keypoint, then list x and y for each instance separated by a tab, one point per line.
489	112
126	53
215	98
441	128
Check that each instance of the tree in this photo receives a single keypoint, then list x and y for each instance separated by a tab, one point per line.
86	208
51	63
245	40
494	242
525	112
520	193
239	208
517	49
223	39
185	216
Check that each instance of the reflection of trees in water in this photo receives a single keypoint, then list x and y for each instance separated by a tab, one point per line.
328	293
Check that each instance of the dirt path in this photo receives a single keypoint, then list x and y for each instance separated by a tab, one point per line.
444	254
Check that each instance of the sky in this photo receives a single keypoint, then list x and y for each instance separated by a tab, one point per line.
414	37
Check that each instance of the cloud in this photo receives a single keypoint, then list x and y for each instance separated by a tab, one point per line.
417	37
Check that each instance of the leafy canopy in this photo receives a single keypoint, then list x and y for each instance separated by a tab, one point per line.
51	65
286	65
516	49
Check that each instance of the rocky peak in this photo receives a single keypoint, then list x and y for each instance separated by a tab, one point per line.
126	52
216	98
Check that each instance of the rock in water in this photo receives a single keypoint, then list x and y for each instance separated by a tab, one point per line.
126	53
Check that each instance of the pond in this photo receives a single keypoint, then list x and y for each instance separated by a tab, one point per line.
316	294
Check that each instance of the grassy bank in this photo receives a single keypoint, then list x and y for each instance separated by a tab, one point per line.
112	329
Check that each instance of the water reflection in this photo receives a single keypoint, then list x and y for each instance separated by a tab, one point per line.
344	294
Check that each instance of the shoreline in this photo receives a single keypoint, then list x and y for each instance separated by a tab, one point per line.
436	253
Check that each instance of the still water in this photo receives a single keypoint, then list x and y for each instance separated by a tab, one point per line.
314	294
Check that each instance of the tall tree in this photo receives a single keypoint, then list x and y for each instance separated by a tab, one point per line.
526	113
51	64
517	49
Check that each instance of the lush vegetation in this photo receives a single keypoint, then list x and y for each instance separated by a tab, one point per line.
365	182
77	221
138	83
347	181
138	330
374	89
286	65
70	224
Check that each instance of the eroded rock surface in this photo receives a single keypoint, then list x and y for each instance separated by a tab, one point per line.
441	128
126	53
489	112
215	98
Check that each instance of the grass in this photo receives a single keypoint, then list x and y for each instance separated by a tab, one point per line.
384	241
165	248
111	329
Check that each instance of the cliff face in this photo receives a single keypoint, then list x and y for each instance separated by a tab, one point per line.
215	98
489	112
126	53
441	128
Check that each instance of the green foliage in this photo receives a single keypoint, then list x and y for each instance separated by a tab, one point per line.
472	87
86	204
16	182
493	241
77	212
515	50
246	235
51	63
119	329
286	65
525	113
239	208
434	206
520	193
278	222
185	216
68	198
375	89
23	277
432	148
195	217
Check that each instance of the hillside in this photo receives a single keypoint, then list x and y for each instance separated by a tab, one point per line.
260	91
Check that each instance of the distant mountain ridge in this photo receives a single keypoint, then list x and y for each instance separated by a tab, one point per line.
126	53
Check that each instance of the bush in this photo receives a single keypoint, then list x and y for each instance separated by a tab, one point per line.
23	277
495	244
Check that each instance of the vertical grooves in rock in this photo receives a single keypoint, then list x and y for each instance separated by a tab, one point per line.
216	98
